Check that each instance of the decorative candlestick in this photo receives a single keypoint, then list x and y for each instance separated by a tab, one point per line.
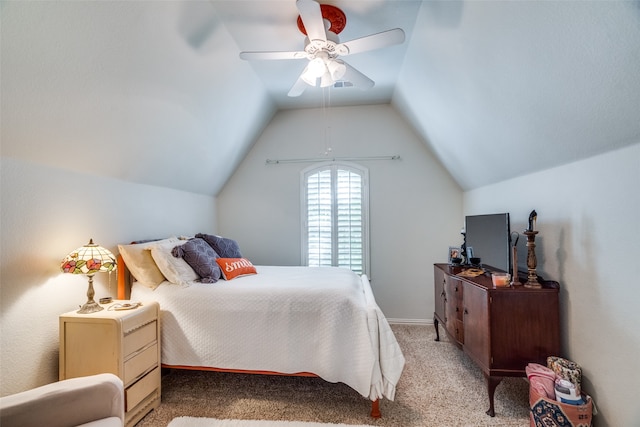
532	262
463	248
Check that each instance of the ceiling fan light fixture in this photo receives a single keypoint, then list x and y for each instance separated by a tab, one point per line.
337	69
310	81
326	80
316	68
308	77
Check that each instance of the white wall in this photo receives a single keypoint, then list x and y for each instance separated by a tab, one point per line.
415	207
588	241
48	212
123	82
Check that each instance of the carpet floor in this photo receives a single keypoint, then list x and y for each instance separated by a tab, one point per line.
211	422
440	387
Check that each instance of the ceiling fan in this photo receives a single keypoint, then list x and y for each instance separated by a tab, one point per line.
322	24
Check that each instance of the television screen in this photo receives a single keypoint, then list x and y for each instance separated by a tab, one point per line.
489	236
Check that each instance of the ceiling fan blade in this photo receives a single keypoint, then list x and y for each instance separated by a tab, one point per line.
297	89
272	55
374	41
312	19
358	79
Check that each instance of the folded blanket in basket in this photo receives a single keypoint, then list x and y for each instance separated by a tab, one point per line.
542	379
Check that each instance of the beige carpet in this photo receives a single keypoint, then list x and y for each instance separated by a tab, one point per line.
211	422
439	387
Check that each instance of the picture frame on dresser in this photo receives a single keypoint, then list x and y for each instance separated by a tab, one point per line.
454	252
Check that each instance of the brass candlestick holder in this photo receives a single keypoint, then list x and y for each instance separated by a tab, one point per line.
532	262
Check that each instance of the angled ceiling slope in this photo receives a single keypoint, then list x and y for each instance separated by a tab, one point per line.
137	91
496	89
503	89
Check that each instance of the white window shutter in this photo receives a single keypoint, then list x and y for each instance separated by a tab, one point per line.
334	219
319	218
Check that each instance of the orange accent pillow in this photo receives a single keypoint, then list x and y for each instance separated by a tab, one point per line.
234	267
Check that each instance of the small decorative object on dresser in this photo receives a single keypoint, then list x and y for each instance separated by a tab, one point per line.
532	261
470	253
122	342
514	259
463	248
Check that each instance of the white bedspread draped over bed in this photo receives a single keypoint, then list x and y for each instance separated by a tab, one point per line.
284	319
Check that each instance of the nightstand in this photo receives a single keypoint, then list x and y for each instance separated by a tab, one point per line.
125	343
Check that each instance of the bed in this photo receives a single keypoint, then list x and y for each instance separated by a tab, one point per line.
310	321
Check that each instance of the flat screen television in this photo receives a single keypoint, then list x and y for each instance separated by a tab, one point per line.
490	238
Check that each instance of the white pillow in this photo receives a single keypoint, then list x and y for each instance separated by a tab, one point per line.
141	264
176	270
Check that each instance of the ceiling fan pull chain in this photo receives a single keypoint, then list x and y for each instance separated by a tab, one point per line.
326	93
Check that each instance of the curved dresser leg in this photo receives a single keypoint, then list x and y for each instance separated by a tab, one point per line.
435	325
492	383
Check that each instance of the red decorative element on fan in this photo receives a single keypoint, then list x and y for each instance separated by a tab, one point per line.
335	16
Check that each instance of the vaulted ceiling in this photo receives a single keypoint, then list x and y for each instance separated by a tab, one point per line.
154	92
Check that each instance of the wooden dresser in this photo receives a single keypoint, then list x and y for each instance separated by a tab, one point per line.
501	329
125	343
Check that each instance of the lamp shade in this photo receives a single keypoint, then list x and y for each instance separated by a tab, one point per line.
308	77
316	68
337	69
89	259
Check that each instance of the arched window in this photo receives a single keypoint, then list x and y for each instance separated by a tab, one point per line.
335	211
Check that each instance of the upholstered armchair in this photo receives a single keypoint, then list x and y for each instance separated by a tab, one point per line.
93	401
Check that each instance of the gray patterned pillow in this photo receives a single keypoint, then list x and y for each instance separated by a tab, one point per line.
224	247
201	257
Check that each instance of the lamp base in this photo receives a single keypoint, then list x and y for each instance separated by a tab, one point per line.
90	307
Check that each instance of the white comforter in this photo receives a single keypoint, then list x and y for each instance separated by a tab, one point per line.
283	319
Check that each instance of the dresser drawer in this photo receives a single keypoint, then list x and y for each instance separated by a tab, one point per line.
140	338
141	362
141	389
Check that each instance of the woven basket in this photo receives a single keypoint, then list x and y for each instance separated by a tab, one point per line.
546	412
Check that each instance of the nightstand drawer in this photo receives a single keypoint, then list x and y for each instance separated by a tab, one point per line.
141	362
138	391
139	316
140	338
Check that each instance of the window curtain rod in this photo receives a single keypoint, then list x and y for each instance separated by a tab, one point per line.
329	159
